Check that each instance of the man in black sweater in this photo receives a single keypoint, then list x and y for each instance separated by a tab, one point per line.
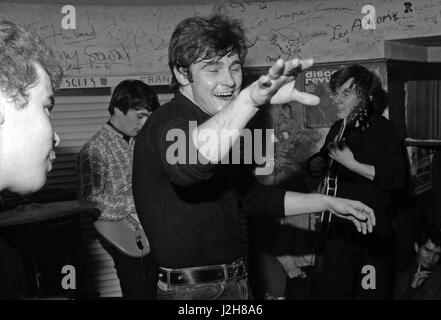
189	190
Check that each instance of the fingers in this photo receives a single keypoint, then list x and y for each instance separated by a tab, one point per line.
295	66
424	274
264	82
305	98
276	69
290	68
277	86
332	154
356	223
367	211
361	215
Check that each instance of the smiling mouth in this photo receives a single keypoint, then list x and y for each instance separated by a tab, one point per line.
224	95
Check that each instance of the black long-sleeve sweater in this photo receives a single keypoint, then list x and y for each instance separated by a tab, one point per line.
191	211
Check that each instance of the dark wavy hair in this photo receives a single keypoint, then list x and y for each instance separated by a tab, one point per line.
196	39
434	236
133	94
20	48
366	84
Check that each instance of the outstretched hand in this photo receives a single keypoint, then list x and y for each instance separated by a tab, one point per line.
361	215
277	86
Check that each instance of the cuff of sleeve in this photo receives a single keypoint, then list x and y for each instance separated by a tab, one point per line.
275	202
380	177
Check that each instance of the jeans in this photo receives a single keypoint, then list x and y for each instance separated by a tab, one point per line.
237	289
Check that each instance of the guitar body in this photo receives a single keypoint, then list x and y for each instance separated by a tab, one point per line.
126	235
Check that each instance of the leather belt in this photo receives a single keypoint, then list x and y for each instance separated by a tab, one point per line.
206	274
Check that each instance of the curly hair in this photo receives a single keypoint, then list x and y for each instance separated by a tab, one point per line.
133	94
367	86
20	48
196	39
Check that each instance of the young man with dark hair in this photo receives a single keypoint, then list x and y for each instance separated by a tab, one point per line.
29	73
422	281
191	208
368	161
105	174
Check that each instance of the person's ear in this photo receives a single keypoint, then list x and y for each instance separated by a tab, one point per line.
182	76
416	247
118	112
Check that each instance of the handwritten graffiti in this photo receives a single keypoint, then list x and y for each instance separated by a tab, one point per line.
408	7
290	41
69	60
339	33
106	58
76	36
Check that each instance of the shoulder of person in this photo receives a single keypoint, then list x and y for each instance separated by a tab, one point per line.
380	122
171	110
94	142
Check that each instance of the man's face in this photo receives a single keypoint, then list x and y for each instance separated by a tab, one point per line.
428	254
215	83
27	138
345	99
132	122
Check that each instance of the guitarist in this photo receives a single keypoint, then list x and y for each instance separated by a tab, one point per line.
367	159
105	174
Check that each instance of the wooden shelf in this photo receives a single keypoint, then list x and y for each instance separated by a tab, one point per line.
423	143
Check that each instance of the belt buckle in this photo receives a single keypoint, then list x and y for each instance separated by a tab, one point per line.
167	272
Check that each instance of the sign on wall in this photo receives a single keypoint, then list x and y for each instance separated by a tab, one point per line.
158	79
316	82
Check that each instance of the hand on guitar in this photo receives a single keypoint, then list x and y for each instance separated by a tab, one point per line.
361	215
342	154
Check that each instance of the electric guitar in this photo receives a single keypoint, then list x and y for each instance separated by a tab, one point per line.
126	235
328	187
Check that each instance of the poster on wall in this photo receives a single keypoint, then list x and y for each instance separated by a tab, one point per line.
420	161
316	82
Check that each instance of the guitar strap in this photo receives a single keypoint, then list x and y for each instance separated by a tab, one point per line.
342	130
